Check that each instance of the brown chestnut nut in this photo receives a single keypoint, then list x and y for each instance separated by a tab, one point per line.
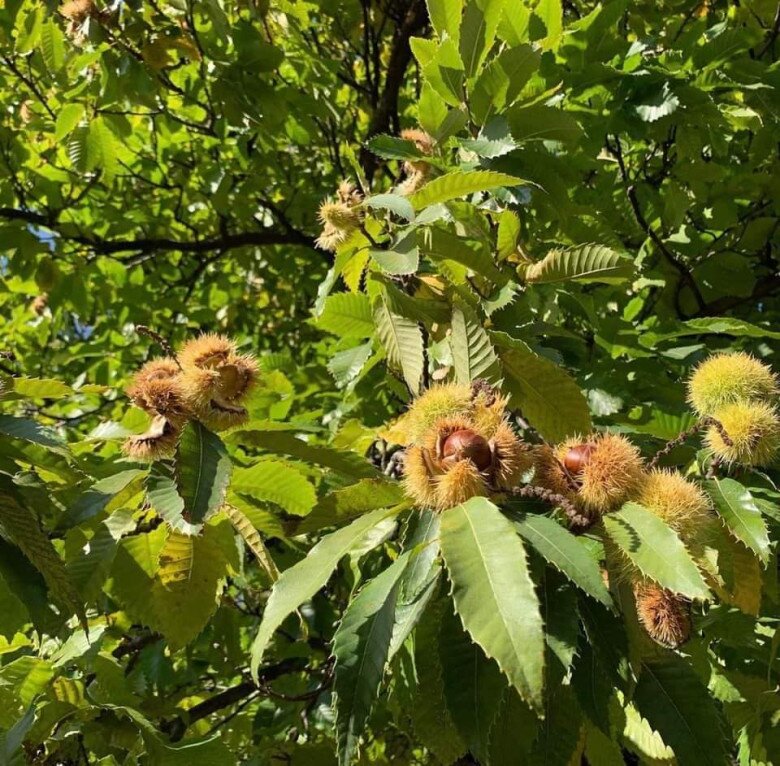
577	458
467	445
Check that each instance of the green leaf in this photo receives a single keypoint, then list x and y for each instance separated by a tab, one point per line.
102	149
347	463
300	582
52	46
420	580
443	70
563	550
89	569
677	705
558	738
561	621
361	646
548	398
345	366
173	582
431	718
392	148
742	516
662	104
347	315
505	76
202	470
14	615
29	587
444	246
712	326
493	592
460	184
550	14
345	504
432	112
21	525
472	352
200	751
277	482
472	685
593	687
27	677
607	635
243	525
656	550
12	750
395	203
67	119
586	263
602	749
512	732
541	123
163	495
41	388
425	534
110	491
403	343
487	147
397	262
30	431
408	614
402	256
478	31
445	17
640	738
508	234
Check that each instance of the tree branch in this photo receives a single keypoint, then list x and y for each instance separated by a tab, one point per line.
177	727
386	113
141	246
766	287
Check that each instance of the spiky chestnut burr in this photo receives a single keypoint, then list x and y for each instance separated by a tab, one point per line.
680	503
727	378
216	379
339	217
157	389
664	615
461	447
597	474
753	430
158	442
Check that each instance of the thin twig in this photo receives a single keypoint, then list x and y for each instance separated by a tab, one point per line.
700	425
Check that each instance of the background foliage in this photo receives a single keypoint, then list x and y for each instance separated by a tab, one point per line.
603	215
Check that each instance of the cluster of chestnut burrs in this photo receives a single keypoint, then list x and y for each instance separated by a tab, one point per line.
460	444
207	380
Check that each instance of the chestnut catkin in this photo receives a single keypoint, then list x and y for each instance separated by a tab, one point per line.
464	444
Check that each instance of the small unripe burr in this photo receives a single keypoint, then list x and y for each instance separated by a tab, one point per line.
465	444
577	458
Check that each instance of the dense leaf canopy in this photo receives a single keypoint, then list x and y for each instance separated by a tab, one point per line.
560	207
